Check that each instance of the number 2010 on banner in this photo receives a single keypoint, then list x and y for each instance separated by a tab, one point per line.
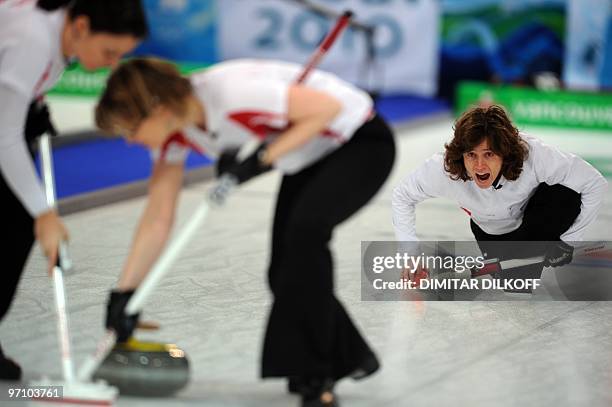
304	30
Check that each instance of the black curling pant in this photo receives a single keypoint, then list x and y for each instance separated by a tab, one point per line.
309	333
16	246
550	212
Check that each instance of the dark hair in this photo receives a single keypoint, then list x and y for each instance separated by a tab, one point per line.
109	16
490	123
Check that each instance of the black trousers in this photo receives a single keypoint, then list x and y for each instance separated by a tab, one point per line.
551	210
16	246
309	333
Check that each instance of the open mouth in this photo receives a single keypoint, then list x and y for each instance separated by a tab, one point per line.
483	177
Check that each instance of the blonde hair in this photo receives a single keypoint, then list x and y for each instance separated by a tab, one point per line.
135	89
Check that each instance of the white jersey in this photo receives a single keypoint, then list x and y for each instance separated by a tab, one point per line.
499	211
249	98
31	62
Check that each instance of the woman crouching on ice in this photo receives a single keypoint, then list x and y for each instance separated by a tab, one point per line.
512	186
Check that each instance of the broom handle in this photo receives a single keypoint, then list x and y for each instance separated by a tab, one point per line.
326	44
58	275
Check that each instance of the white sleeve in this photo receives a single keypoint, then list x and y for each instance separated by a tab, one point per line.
553	166
174	154
23	64
15	162
428	181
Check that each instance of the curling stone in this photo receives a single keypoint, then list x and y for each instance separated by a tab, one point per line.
145	369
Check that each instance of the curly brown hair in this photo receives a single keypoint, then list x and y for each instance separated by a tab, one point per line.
476	125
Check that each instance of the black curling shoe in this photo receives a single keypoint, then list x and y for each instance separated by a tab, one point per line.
318	393
9	370
368	367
